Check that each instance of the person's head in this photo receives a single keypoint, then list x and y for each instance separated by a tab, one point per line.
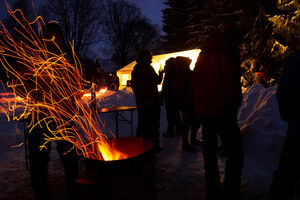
170	65
144	57
182	64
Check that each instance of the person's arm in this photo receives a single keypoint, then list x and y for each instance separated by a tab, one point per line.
160	76
157	78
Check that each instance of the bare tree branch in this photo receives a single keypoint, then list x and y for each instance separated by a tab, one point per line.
126	30
80	21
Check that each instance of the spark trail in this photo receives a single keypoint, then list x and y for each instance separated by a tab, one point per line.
49	86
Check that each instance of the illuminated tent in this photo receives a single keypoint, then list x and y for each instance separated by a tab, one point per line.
124	73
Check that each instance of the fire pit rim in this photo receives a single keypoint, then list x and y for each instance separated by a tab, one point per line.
148	151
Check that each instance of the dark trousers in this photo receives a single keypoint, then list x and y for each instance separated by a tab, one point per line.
189	122
226	125
39	158
148	124
286	176
173	118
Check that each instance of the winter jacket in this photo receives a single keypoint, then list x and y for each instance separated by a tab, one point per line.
144	84
289	89
184	82
216	77
169	84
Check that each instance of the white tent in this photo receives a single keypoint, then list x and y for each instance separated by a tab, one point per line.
124	73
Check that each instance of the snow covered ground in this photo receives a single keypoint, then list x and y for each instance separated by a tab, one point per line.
180	175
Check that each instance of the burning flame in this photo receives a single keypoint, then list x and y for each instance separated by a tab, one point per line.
110	153
49	89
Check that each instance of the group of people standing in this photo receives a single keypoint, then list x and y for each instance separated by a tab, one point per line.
178	98
210	96
176	93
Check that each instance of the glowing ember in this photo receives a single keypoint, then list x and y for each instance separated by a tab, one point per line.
46	84
103	90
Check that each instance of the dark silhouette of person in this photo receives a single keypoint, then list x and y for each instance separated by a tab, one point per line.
170	99
94	72
184	96
287	174
144	85
217	95
115	82
39	157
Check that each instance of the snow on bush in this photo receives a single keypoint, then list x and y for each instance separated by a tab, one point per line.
261	125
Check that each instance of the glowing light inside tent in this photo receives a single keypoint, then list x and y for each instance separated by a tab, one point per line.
158	61
124	78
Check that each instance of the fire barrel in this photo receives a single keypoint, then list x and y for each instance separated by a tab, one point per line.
132	178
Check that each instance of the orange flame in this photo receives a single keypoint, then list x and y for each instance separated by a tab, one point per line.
50	89
108	153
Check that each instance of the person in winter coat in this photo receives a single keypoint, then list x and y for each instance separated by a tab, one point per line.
170	99
116	82
144	84
184	96
217	95
39	158
287	174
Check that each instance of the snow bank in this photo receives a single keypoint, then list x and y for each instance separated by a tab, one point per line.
261	125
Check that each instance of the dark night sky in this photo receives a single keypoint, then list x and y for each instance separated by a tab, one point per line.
150	8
